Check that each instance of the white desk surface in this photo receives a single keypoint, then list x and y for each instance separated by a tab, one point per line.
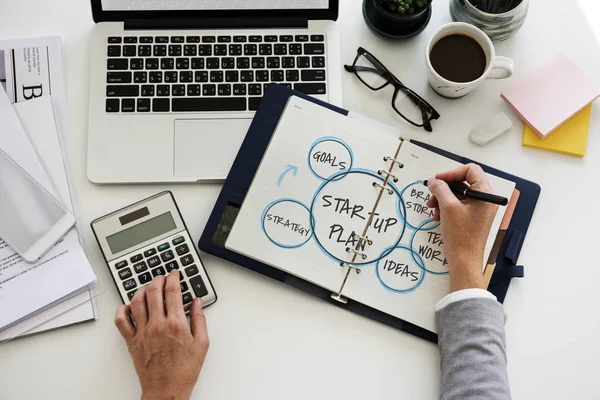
270	341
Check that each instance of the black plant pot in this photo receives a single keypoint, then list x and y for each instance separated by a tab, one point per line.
394	26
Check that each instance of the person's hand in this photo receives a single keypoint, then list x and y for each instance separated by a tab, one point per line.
167	352
465	224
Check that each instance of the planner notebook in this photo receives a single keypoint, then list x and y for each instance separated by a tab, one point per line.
336	202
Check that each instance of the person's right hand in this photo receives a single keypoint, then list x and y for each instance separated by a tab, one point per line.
465	224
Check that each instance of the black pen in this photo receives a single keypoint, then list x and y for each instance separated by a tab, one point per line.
476	195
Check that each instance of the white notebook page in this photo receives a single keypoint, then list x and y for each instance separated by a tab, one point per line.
314	188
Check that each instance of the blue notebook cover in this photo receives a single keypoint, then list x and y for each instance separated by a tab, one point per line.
242	173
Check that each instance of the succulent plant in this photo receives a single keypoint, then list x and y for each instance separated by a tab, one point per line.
404	7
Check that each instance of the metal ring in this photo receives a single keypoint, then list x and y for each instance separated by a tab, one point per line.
358	253
390	175
362	238
350	266
390	191
394	161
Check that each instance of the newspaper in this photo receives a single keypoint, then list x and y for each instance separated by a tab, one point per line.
26	72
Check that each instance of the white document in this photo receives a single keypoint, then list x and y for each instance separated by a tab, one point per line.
27	289
303	222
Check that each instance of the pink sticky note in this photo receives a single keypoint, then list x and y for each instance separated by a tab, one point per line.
549	96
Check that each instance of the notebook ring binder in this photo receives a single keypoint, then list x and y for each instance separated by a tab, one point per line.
390	191
358	253
351	267
362	238
394	161
389	175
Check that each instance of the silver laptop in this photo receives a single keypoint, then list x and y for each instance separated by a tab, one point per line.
174	84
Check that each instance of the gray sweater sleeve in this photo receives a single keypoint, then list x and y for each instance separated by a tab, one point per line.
473	350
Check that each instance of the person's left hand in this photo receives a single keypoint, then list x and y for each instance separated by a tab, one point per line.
167	352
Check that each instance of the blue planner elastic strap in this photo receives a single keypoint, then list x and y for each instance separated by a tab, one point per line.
246	164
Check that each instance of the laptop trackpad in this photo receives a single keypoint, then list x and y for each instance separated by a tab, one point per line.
206	148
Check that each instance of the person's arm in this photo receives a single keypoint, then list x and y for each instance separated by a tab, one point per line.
470	321
167	352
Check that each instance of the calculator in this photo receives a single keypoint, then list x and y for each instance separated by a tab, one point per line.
148	239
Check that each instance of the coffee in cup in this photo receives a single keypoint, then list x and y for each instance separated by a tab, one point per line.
460	57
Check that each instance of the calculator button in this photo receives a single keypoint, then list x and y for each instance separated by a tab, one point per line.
125	273
178	240
198	286
145	278
136	258
187	298
153	261
140	267
149	252
163	246
191	270
121	264
131	294
184	287
170	266
186	260
130	284
167	256
183	249
158	271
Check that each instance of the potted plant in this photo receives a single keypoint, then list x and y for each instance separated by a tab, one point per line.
397	18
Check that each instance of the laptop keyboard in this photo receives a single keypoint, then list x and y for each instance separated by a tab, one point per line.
209	73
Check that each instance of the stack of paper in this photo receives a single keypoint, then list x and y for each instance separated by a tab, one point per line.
53	292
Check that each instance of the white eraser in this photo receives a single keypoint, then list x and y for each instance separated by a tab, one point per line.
486	132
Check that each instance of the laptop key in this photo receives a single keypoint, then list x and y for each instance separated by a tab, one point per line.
208	39
122	91
197	63
209	90
318	62
310	88
136	63
159	50
161	105
167	63
140	77
239	39
163	90
146	39
113	39
255	89
190	50
193	90
118	77
174	50
114	51
242	63
216	76
162	39
295	49
205	50
254	103
147	91
262	76
292	75
177	39
232	76
250	49
155	77
313	75
220	50
186	76
213	63
258	62
265	49
144	50
239	89
255	39
112	105
130	39
314	49
178	90
301	38
143	105
235	49
117	64
170	76
209	104
224	89
152	63
277	76
193	39
303	62
280	49
201	76
182	63
270	38
227	63
224	39
129	51
128	105
288	62
273	62
247	76
317	38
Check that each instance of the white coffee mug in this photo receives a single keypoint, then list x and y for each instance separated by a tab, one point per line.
496	67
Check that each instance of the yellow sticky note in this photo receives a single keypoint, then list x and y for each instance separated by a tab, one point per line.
571	138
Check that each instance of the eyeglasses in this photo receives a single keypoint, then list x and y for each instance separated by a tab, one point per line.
409	105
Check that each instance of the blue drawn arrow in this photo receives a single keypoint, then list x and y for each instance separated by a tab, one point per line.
288	168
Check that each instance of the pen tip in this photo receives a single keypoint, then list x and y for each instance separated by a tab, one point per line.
423	182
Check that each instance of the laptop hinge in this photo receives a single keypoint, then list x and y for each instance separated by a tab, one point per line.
214	23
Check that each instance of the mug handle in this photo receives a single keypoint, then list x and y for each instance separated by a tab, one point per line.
503	68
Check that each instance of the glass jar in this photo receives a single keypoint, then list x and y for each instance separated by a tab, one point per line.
498	27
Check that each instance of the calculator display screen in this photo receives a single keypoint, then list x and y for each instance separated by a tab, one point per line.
141	232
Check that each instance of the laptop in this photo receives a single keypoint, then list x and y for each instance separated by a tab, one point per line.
174	85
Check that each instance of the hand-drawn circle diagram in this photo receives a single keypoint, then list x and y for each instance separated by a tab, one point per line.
286	223
414	197
427	242
329	155
340	211
400	270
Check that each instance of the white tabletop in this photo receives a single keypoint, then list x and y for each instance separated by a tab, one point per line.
270	341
